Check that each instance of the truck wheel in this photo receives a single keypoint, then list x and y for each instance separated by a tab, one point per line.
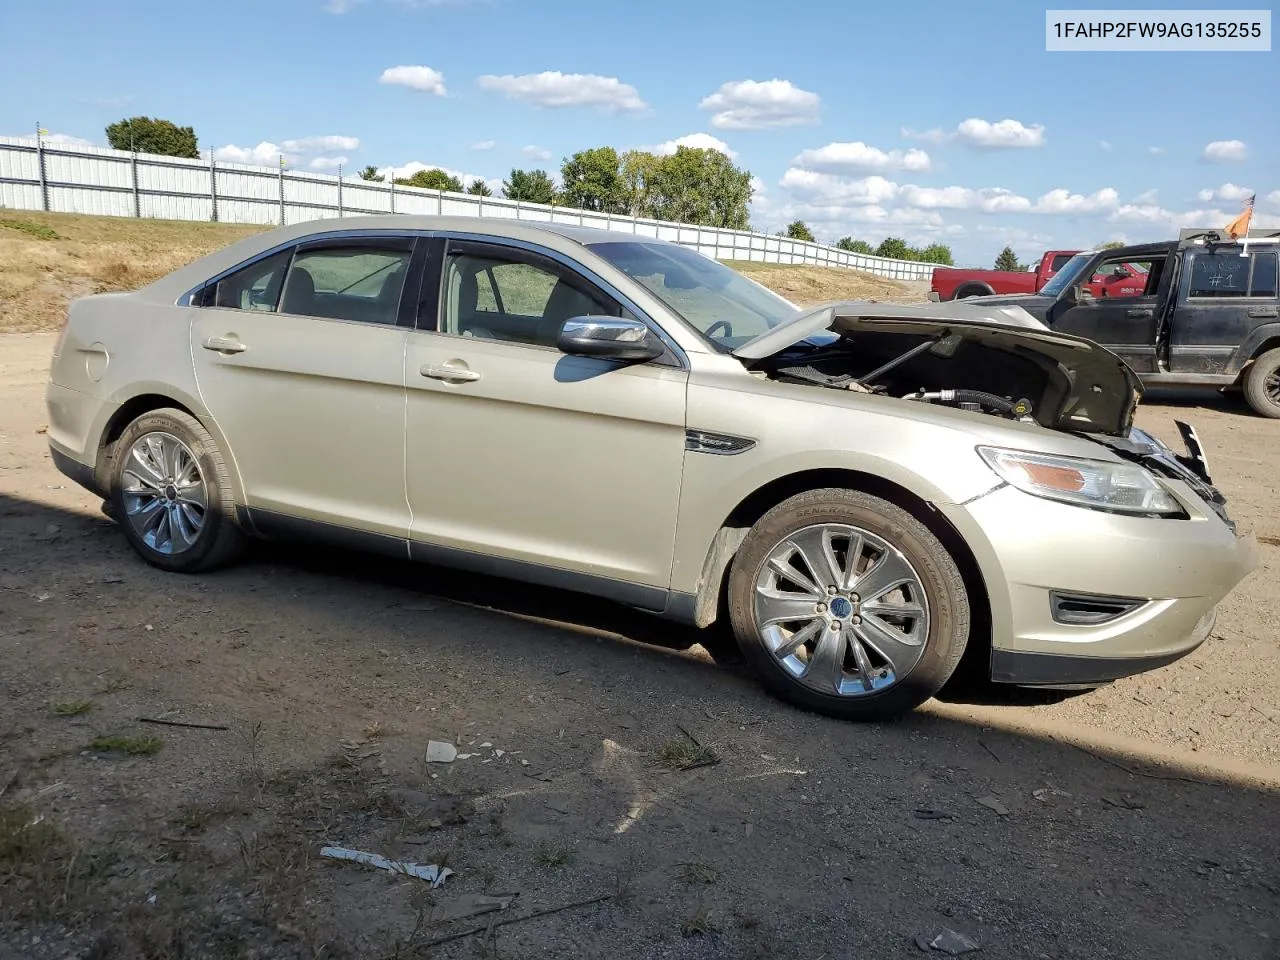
171	495
847	605
1262	384
966	292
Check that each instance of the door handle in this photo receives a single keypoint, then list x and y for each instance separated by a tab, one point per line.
447	371
224	344
1138	312
1265	312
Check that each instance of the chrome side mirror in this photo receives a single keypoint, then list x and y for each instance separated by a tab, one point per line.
612	338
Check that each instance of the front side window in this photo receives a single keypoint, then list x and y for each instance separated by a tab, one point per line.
1066	276
255	287
1227	274
492	296
361	283
717	301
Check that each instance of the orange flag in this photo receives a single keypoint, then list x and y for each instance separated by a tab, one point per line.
1239	227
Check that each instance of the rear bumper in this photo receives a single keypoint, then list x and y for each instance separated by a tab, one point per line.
935	296
73	469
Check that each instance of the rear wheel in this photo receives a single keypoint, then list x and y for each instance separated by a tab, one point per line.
848	605
171	495
1262	384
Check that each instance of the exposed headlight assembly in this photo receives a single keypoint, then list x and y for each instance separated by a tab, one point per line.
1097	484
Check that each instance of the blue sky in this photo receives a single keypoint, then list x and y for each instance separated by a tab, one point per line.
930	120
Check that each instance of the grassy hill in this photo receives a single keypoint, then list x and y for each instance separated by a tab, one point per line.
49	259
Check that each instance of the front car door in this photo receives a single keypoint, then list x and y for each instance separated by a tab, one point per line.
521	454
299	358
1126	318
1222	297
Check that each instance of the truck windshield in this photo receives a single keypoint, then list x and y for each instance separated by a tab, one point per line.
1066	276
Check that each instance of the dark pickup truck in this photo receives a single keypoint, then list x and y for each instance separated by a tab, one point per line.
1208	315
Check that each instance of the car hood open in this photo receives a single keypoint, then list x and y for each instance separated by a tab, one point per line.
1102	392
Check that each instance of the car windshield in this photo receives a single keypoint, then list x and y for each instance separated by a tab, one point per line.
1066	276
717	301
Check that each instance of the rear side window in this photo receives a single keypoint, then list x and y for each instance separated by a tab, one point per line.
361	283
1227	274
1060	261
255	287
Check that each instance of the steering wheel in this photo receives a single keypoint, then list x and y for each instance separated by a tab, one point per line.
728	328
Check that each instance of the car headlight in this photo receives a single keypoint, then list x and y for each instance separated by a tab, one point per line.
1098	484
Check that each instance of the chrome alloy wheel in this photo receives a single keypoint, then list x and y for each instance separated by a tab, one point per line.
841	610
165	499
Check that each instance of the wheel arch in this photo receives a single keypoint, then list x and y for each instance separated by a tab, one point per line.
972	289
711	600
143	401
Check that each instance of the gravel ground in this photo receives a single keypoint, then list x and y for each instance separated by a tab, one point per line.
1136	821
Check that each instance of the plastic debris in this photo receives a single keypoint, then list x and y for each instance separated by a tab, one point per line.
993	803
953	942
440	752
1045	794
430	872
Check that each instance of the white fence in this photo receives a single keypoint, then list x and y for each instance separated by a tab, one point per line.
64	178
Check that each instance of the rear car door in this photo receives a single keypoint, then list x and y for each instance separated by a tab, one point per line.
519	452
1126	319
1222	298
299	357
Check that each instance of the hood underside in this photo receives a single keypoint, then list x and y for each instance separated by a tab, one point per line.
1088	388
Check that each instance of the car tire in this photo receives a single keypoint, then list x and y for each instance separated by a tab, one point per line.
1262	384
882	659
171	495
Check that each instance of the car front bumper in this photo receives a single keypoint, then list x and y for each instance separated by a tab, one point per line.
1166	577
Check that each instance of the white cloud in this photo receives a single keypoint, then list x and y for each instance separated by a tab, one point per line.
341	6
1139	212
265	154
1063	201
985	135
1225	151
1228	191
484	145
695	141
423	79
755	104
67	140
552	88
1104	146
320	144
329	163
536	152
837	191
1274	198
1147	196
1155	151
857	155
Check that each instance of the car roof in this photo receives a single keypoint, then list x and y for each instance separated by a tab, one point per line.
559	236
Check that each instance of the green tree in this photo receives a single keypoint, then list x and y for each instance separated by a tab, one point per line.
636	170
433	179
698	186
895	248
935	253
799	230
592	180
531	186
153	136
855	246
371	174
478	188
1008	260
1110	245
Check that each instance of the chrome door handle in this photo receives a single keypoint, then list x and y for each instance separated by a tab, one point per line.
1138	312
224	345
445	371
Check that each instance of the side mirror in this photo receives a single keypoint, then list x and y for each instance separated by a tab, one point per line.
611	338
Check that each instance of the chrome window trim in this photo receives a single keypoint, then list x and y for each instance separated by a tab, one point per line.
184	300
564	260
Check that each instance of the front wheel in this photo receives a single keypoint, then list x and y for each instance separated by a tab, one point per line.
1262	384
847	605
171	495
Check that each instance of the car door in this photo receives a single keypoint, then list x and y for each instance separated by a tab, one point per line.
518	452
1125	320
1221	299
299	357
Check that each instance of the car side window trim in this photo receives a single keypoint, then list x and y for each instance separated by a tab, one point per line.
431	306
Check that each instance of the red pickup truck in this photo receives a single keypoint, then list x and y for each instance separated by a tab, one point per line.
1121	279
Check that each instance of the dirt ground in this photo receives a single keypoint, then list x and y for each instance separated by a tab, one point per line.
1140	820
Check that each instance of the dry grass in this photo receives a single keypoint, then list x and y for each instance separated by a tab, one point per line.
49	259
807	285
